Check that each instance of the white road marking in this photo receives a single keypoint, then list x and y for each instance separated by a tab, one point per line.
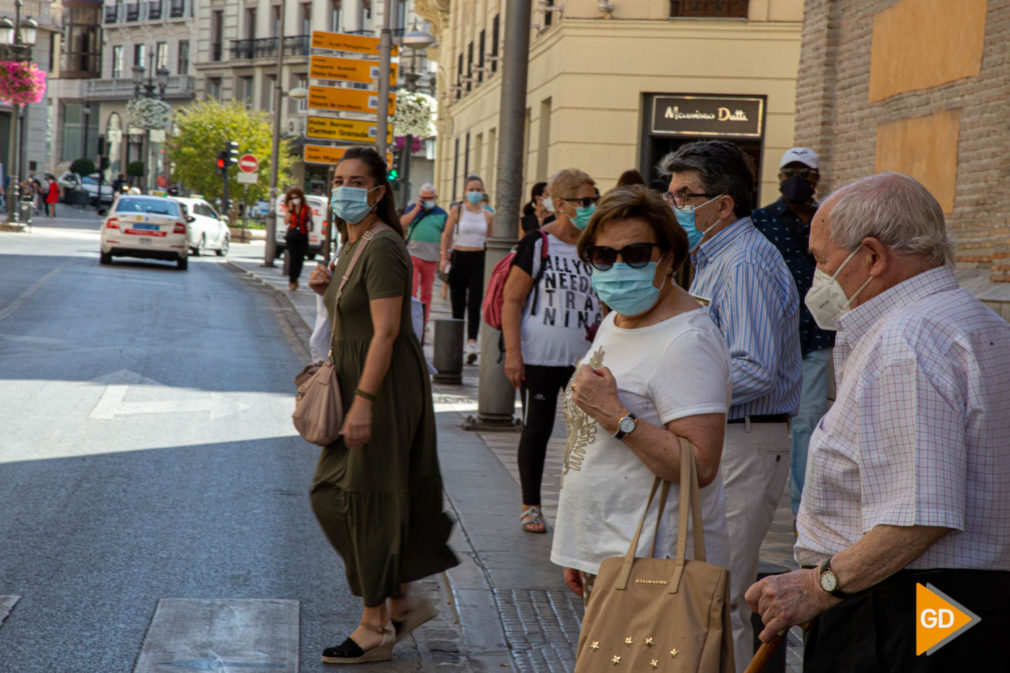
188	634
6	605
27	294
112	403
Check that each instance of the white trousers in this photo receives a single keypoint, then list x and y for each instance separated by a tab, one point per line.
755	468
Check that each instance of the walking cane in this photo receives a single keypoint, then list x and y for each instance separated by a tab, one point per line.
767	651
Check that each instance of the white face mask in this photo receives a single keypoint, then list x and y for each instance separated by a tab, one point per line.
826	299
548	204
296	202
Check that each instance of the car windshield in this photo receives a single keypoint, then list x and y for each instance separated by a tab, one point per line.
89	181
127	204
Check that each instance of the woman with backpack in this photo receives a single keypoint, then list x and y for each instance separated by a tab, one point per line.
548	310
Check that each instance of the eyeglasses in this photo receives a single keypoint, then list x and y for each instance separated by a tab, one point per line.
790	172
635	255
680	198
584	202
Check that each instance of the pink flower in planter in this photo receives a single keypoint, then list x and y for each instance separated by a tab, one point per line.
21	82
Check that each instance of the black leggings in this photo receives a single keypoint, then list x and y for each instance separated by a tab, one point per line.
297	246
540	401
466	288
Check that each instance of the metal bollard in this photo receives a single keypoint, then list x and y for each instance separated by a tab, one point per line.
448	354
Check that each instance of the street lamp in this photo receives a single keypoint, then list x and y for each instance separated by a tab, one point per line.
415	40
145	88
18	37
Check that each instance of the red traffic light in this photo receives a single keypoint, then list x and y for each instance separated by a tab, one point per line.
221	163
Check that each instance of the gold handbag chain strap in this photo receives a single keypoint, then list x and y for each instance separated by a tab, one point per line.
690	503
365	239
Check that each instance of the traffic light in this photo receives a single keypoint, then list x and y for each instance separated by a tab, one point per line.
222	164
392	175
231	152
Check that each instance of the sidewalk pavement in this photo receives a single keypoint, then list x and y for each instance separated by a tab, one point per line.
511	606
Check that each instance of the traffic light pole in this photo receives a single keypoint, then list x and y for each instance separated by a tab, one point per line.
385	54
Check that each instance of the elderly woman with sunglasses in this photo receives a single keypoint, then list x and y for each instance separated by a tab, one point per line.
657	371
548	304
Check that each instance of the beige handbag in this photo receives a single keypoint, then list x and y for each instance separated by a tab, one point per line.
319	409
656	614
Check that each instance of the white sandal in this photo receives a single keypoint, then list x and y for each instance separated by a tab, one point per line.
533	516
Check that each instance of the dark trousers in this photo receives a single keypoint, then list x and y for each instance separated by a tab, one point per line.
874	631
466	288
540	401
297	246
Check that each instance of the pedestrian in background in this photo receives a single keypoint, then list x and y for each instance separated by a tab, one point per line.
630	177
906	485
424	222
52	196
485	203
658	371
539	210
463	243
548	307
786	223
377	491
298	219
752	299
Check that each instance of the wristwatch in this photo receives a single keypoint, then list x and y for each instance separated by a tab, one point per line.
829	581
626	426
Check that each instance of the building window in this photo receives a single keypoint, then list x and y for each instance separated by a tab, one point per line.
495	30
177	9
214	88
244	87
73	132
548	14
138	56
269	89
469	67
83	48
306	18
183	64
117	61
161	55
367	24
480	58
133	10
250	23
303	83
275	26
400	17
154	10
721	9
335	16
459	76
111	12
216	37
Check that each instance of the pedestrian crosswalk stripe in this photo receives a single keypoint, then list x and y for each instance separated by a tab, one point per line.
188	634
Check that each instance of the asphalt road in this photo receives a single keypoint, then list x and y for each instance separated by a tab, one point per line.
146	452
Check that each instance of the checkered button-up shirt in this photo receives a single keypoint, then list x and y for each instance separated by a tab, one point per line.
920	431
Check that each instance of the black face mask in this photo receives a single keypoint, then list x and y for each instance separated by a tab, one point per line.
796	190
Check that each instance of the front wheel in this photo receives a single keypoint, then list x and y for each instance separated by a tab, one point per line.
183	263
225	244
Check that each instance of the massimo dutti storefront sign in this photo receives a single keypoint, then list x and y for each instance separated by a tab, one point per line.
708	116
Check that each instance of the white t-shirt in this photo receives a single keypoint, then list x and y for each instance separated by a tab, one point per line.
670	370
566	305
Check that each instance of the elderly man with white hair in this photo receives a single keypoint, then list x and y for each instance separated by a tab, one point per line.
423	223
906	501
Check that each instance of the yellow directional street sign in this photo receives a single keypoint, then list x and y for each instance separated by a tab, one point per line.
347	69
347	100
354	130
360	44
327	154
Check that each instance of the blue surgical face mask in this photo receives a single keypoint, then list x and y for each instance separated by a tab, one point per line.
685	217
474	197
350	203
428	204
627	290
582	216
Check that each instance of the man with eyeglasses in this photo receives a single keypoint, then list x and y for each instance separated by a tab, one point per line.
786	223
753	300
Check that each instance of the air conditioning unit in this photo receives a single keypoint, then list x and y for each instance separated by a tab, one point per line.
296	127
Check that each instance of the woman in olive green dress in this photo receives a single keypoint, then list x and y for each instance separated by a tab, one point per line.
377	491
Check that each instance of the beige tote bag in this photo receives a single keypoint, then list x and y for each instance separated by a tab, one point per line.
319	409
655	614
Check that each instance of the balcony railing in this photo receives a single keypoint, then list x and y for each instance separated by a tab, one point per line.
111	12
154	9
177	9
266	47
133	11
722	9
179	87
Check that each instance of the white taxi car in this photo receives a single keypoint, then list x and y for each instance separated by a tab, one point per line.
207	231
153	227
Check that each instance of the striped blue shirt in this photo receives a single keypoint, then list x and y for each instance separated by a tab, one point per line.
756	307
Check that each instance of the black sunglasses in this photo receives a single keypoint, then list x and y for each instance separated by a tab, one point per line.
635	255
584	202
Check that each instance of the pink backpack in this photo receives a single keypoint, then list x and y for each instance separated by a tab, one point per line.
494	296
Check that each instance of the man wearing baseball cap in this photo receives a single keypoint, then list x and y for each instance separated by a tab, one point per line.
786	223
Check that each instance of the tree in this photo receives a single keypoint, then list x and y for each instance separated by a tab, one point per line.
203	129
83	166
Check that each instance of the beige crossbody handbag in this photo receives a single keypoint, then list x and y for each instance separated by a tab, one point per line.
319	409
656	614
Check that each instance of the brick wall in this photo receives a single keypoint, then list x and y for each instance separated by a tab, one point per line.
835	118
